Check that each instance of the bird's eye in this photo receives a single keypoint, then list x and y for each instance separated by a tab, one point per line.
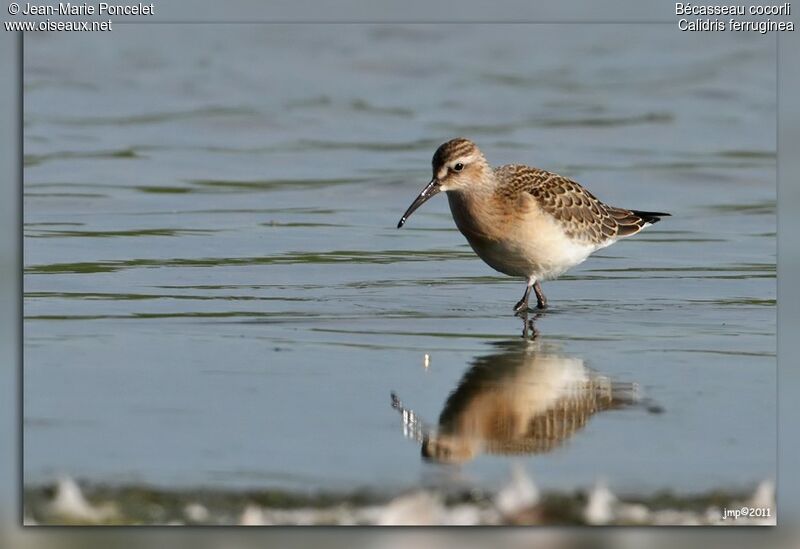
458	167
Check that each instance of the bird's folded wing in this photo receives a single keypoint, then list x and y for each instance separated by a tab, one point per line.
582	216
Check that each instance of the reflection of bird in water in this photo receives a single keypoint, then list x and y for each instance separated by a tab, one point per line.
525	399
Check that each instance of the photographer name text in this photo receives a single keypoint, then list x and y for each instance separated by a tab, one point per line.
101	8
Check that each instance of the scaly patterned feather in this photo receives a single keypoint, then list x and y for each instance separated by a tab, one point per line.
582	216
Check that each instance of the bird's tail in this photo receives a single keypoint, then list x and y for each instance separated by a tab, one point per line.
630	222
650	217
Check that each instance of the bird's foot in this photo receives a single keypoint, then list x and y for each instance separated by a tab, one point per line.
521	306
541	305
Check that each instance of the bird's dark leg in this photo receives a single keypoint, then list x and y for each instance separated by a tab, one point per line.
522	304
541	300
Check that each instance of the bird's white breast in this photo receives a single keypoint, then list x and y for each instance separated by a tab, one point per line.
526	243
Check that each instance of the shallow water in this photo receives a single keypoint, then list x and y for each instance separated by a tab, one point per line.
216	294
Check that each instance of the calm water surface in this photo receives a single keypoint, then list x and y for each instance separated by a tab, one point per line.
216	294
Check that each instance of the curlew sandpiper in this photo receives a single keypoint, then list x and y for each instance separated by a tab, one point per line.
524	221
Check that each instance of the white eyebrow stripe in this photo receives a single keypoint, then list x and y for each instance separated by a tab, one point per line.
464	159
468	159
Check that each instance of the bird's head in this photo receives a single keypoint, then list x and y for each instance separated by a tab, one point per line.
457	165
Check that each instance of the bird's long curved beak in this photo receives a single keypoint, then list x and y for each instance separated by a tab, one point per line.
431	189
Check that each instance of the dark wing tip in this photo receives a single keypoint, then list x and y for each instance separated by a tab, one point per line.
650	217
630	222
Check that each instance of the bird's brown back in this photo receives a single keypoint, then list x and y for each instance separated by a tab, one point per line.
581	215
